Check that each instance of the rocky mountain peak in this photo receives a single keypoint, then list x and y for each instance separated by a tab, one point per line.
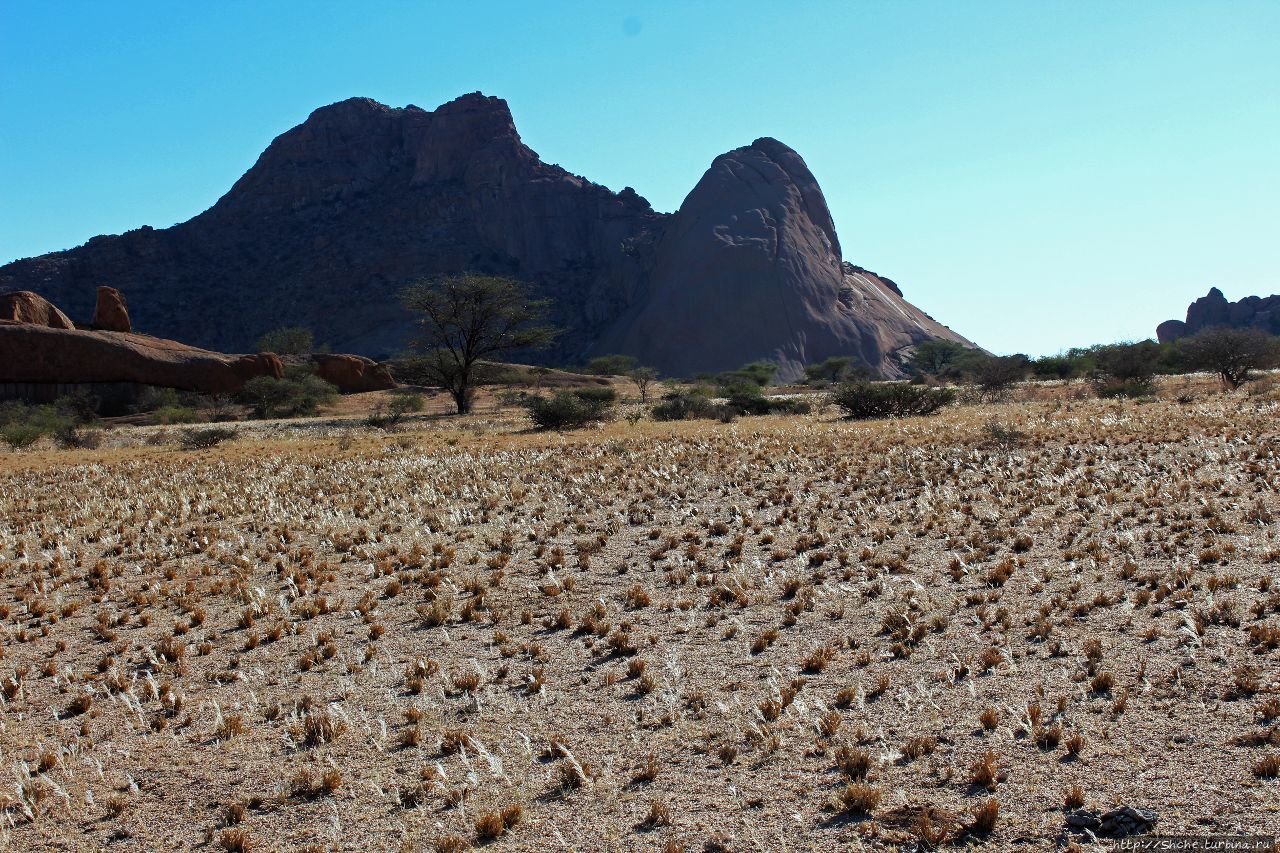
341	211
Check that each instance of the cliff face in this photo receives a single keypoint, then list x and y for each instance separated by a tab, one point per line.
1213	309
343	210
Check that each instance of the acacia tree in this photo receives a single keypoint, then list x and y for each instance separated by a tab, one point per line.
1231	353
642	377
468	318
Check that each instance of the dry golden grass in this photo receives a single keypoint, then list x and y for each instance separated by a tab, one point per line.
658	636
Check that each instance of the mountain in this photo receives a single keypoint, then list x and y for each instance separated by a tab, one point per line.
341	211
1213	309
750	267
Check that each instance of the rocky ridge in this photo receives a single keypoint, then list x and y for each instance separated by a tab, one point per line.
1213	309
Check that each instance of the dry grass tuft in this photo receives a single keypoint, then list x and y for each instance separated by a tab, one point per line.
860	798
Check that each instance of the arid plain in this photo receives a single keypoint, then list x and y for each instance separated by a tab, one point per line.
781	633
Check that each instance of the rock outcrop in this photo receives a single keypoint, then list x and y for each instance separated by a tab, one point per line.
340	212
1213	309
23	306
111	314
352	373
39	353
38	344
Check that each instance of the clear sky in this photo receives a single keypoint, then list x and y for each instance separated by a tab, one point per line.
1035	174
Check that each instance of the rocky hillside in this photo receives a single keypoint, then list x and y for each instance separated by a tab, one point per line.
1213	309
341	211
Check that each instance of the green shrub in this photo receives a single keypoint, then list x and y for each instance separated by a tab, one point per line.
568	409
388	417
747	400
1131	364
22	425
688	405
1055	367
890	400
175	415
299	394
20	435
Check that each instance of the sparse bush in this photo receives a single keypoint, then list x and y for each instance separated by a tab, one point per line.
866	400
299	394
688	405
70	436
202	439
568	409
1108	387
290	340
169	415
1126	369
746	399
996	374
392	415
642	378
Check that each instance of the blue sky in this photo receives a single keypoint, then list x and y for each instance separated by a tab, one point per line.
1035	174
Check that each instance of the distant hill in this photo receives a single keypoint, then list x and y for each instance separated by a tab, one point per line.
344	209
1213	309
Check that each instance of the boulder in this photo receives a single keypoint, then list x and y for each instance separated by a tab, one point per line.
352	373
111	314
1171	330
23	306
35	353
1120	822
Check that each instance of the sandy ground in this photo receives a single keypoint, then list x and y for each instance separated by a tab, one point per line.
646	636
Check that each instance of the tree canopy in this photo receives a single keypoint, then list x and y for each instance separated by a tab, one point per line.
467	318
